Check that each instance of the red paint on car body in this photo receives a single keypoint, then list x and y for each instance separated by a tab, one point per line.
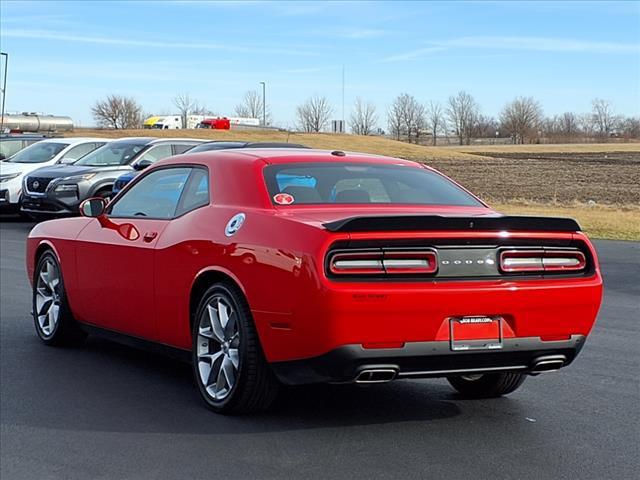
143	288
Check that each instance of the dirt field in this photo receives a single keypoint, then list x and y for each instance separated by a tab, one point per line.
599	184
611	178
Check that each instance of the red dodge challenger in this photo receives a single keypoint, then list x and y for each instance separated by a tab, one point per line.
272	267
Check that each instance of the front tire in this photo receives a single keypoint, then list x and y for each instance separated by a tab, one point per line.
487	385
230	370
52	316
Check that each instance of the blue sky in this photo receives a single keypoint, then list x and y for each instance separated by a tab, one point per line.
65	55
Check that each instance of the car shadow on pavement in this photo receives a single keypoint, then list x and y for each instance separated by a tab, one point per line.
105	386
17	220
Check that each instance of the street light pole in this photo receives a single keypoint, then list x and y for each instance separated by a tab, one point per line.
264	104
4	88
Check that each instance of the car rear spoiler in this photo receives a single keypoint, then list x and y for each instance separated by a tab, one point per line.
436	222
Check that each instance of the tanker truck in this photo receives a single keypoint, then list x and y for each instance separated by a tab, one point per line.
36	122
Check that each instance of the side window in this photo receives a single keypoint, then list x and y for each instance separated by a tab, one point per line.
154	196
196	193
76	153
178	149
8	148
156	153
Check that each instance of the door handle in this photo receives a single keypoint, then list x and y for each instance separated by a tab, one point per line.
149	236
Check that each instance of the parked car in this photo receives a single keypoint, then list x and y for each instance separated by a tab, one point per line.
47	152
10	144
125	178
378	269
58	190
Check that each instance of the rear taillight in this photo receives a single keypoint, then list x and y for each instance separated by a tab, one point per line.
516	261
383	262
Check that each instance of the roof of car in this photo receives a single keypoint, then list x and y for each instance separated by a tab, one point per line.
289	155
73	140
195	141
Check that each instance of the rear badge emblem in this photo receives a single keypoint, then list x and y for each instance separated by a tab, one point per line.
234	224
283	199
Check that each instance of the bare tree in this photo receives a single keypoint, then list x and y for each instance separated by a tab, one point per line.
568	125
604	119
184	103
118	112
419	120
631	127
484	127
435	120
463	111
521	118
363	118
201	109
406	116
395	119
587	125
251	107
313	115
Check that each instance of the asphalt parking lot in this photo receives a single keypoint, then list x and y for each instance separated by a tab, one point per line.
108	411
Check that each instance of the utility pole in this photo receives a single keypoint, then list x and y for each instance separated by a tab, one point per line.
4	88
264	104
344	129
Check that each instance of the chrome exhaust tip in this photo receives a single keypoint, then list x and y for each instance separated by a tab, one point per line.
376	375
549	364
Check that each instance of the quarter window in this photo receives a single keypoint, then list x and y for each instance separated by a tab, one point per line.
196	192
156	153
76	153
155	196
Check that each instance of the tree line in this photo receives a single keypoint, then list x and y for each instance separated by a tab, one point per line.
521	120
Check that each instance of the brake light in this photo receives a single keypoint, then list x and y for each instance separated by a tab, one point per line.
357	263
382	262
514	261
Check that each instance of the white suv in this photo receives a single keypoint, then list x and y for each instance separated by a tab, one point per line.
41	154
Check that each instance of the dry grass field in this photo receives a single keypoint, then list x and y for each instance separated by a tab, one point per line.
597	221
598	184
353	143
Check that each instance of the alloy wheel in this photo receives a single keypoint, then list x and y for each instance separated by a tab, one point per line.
48	297
218	348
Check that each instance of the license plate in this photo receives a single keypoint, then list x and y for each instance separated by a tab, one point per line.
477	332
32	202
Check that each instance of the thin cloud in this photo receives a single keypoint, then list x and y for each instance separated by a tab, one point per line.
363	33
533	44
420	52
543	44
126	42
310	70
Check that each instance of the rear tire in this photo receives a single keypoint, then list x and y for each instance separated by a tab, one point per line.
52	316
487	385
230	370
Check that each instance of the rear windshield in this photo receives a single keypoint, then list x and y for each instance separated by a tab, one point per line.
38	152
114	153
361	184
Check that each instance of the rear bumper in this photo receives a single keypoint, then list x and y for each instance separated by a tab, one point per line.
429	359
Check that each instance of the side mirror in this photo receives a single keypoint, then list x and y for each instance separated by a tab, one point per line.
142	164
67	161
93	207
2	156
